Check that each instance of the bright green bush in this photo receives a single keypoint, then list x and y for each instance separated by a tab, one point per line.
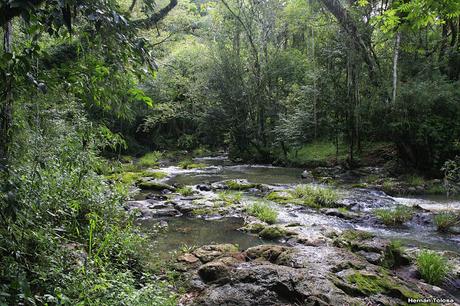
432	267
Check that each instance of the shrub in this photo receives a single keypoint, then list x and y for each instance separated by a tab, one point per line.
263	211
150	159
432	267
445	220
397	216
316	196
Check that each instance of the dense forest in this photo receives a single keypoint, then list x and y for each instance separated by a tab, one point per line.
98	95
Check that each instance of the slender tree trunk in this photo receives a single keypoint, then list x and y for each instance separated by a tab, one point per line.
315	107
6	106
395	65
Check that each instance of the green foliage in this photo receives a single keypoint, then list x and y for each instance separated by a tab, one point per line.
444	221
150	159
396	216
415	180
316	196
451	170
263	211
185	191
69	240
432	267
317	153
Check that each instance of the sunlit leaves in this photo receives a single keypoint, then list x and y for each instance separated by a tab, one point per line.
139	95
417	14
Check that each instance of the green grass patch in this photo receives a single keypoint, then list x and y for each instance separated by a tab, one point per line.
189	164
150	159
263	211
316	196
281	197
397	216
444	221
230	197
415	180
185	191
432	267
317	152
154	174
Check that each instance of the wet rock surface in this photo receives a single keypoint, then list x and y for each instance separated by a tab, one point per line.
281	275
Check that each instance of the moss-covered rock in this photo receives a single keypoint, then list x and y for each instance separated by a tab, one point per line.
254	227
371	284
152	185
240	185
272	232
282	197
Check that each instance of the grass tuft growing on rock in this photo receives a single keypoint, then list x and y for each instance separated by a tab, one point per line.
189	164
263	211
397	216
230	197
185	191
444	221
154	174
432	267
316	196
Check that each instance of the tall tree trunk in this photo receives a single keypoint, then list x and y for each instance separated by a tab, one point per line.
395	65
362	44
315	100
6	106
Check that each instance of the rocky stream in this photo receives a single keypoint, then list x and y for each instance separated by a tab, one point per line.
336	255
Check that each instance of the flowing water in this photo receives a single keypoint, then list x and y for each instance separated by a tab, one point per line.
194	232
